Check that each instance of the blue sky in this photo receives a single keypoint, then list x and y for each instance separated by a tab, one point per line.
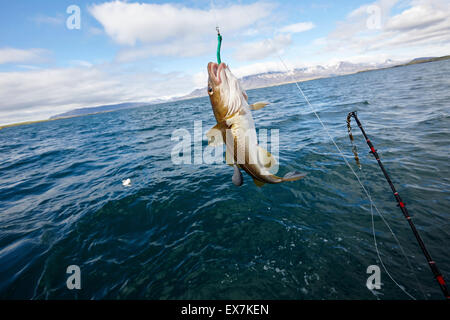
41	24
140	51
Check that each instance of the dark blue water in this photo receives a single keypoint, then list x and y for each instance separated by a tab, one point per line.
186	232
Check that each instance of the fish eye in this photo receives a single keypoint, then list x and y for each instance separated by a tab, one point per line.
210	90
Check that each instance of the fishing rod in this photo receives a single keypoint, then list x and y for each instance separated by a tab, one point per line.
401	204
437	274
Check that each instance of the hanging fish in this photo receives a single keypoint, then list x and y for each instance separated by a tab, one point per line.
235	128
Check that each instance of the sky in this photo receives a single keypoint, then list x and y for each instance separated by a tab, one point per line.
56	56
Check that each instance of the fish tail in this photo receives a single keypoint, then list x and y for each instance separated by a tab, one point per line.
293	176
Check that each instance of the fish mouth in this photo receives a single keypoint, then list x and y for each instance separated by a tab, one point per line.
214	71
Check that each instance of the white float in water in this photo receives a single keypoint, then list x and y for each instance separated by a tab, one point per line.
126	183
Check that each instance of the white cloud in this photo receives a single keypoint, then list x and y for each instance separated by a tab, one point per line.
358	19
298	27
183	49
251	32
418	17
319	41
263	49
128	23
200	78
80	63
142	30
12	55
27	67
39	94
171	30
423	26
259	67
384	6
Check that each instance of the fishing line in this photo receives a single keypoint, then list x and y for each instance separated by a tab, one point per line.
357	178
219	37
431	263
213	9
376	244
372	204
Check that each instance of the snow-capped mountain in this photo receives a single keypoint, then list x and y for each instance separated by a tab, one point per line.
302	74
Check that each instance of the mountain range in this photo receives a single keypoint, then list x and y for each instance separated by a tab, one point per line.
267	79
274	78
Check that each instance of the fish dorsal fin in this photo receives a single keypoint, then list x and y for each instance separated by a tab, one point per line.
258	183
265	158
214	135
258	105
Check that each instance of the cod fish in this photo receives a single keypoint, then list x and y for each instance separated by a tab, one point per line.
235	128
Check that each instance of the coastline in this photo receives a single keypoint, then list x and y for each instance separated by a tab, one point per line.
413	62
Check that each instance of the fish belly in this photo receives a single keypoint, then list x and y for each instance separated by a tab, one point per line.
242	141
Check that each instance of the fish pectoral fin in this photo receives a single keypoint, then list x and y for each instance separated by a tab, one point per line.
265	158
258	183
214	136
258	105
237	178
294	176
